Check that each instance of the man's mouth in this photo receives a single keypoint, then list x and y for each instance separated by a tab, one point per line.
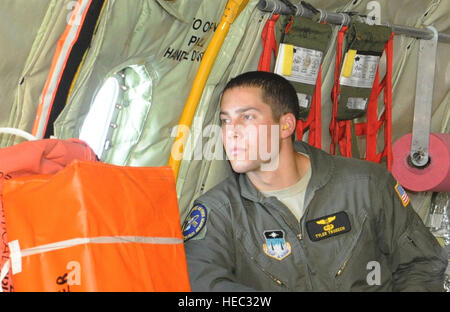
236	151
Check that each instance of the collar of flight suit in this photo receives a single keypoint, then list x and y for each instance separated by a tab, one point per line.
322	167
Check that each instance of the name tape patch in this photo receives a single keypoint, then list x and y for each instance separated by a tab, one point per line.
194	222
328	226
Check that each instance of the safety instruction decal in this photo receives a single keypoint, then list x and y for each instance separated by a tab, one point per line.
304	100
298	64
363	70
357	103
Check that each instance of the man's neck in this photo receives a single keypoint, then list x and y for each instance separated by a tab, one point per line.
291	168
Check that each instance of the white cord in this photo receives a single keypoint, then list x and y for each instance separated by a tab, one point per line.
18	132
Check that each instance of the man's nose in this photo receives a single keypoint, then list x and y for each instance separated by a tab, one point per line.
233	130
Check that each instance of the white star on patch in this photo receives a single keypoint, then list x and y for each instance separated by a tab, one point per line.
273	234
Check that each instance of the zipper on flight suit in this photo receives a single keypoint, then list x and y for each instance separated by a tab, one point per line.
341	269
350	253
299	236
297	230
273	277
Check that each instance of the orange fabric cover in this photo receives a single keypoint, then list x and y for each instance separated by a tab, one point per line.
89	200
37	157
42	157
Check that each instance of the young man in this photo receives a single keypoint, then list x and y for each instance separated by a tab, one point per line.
306	222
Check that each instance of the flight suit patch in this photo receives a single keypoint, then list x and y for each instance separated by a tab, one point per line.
276	246
328	226
194	222
402	194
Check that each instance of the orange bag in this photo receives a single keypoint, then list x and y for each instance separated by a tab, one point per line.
37	157
95	227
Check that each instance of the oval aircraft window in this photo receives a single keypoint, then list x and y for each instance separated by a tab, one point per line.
96	125
118	113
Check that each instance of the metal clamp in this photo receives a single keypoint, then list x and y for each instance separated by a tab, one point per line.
275	9
300	10
345	20
426	66
323	15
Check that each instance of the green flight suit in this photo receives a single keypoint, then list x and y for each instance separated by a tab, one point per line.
354	215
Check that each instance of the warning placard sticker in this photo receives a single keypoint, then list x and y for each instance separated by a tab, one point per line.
357	103
363	71
303	63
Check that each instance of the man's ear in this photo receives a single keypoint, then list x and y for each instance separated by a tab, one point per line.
288	123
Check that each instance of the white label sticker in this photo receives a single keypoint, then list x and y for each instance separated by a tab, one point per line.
363	72
15	256
356	103
304	100
305	65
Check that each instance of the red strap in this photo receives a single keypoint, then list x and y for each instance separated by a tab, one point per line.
301	126
314	121
315	136
269	44
372	126
388	102
339	129
372	120
288	26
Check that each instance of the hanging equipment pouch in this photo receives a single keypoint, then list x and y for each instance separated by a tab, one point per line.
300	56
365	45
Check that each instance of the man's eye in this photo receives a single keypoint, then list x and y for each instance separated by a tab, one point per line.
224	121
248	117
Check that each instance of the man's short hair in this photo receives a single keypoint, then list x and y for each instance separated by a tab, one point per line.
276	91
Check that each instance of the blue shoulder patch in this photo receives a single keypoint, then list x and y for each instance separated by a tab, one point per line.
194	222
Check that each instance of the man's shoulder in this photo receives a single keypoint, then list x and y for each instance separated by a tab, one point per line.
354	168
345	168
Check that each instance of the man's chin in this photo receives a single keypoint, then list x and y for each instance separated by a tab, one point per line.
246	166
241	166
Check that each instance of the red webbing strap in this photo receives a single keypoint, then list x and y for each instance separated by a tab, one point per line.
269	44
340	131
315	135
388	102
314	121
372	126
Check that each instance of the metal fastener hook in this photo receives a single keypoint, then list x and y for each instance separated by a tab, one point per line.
299	11
323	15
344	20
275	9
